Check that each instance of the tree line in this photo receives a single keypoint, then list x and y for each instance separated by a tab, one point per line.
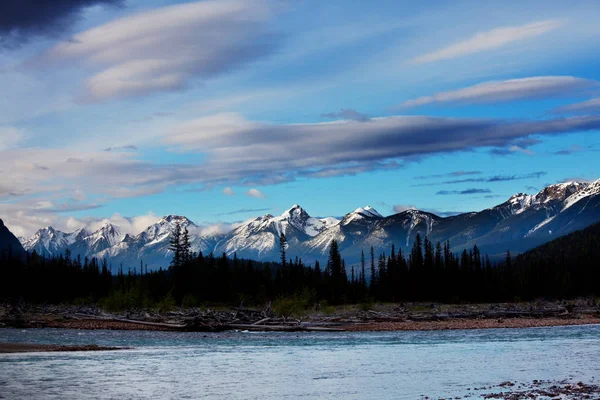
566	267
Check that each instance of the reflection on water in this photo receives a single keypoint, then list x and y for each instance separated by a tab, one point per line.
390	365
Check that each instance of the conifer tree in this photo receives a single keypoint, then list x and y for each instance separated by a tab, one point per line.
186	247
362	267
282	247
175	246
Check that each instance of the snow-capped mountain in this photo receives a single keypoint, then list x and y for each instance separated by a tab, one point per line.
259	237
353	227
521	222
152	245
49	242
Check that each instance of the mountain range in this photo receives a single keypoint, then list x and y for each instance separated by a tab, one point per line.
520	223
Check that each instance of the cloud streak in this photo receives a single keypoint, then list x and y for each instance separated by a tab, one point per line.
347	114
509	90
588	106
448	175
489	179
462	192
252	152
167	48
484	41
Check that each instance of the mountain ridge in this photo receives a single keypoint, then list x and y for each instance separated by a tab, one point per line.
521	222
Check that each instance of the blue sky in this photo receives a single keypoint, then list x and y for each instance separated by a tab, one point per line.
225	110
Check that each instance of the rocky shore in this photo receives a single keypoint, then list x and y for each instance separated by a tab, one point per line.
537	389
377	317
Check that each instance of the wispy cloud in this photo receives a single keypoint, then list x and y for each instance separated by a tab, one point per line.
588	106
489	40
228	191
463	192
514	89
117	148
489	179
448	175
137	55
570	150
347	113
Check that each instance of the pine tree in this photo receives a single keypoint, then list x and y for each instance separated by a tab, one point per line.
362	267
175	246
186	247
335	269
282	247
416	255
373	285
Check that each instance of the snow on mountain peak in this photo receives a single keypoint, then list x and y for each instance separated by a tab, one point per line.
368	211
299	219
590	189
172	220
559	191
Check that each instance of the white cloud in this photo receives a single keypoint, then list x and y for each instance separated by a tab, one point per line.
165	49
228	191
255	193
217	228
489	40
513	89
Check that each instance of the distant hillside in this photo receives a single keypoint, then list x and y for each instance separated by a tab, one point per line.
9	244
564	266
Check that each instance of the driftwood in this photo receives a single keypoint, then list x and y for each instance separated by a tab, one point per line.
242	318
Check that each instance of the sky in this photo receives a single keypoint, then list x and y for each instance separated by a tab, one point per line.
224	110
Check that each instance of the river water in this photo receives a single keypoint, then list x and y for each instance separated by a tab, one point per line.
242	365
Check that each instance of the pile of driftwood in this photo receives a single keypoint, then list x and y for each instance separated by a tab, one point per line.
242	318
191	319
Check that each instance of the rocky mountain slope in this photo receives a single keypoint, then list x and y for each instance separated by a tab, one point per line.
520	223
9	244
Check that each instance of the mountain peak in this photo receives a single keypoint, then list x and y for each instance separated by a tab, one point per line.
294	210
107	225
367	211
1	223
559	191
176	219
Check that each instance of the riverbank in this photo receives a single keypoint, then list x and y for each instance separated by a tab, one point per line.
364	317
31	348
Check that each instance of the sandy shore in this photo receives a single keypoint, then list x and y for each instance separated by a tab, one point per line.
29	348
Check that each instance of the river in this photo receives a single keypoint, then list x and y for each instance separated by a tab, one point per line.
242	365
